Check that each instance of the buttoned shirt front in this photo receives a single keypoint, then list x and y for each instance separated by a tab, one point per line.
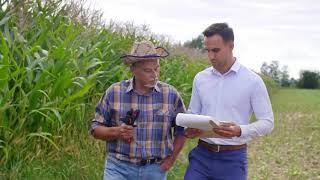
233	96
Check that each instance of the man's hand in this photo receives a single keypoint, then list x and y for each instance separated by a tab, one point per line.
192	132
167	163
228	129
125	132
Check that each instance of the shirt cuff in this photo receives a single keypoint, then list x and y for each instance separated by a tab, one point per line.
94	125
244	131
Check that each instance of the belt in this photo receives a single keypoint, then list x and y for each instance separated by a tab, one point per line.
219	148
144	162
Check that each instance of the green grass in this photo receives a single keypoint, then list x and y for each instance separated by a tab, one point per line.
81	158
291	151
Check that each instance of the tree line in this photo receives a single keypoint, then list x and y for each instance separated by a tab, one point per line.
307	79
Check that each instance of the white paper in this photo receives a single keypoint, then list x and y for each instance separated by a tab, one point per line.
196	121
206	123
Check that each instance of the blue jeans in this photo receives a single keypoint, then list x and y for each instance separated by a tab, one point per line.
208	165
122	170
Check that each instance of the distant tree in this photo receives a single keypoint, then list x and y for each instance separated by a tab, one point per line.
271	70
275	71
196	43
280	76
293	82
284	77
265	69
309	79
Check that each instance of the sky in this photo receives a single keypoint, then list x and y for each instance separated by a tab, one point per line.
287	31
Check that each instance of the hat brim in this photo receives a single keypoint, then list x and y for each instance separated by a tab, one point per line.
160	53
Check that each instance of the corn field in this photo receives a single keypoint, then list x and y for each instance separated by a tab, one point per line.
55	63
51	69
56	60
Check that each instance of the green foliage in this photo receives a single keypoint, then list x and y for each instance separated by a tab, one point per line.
196	43
179	71
280	76
271	85
309	80
54	67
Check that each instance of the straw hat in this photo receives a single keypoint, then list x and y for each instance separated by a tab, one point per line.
144	50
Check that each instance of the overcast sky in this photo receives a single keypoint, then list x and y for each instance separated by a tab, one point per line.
287	31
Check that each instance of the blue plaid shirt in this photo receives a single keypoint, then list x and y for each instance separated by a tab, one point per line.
153	134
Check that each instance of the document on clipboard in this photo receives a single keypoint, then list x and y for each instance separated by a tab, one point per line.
202	122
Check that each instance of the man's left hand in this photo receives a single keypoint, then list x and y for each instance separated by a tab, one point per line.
167	163
229	129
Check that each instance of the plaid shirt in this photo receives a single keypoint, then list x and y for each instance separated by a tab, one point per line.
153	134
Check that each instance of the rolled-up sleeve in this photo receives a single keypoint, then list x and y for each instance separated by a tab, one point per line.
102	113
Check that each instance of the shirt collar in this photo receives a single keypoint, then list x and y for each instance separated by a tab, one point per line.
130	85
235	68
131	82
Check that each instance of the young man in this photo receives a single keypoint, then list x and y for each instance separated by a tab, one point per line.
136	118
227	91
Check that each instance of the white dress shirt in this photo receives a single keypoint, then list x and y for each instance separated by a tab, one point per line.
233	96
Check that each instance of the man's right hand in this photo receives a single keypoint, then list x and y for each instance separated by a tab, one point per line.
192	132
125	132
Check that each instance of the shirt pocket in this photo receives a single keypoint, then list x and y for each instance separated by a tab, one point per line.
163	116
161	124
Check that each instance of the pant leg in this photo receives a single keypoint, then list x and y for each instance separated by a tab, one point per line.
152	172
229	165
119	170
208	165
198	166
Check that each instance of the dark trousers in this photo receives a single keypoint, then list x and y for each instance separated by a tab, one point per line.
209	165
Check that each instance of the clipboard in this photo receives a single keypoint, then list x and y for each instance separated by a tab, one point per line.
205	123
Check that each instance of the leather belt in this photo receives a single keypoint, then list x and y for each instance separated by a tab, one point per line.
144	162
219	148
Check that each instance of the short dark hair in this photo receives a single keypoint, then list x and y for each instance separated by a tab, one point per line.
221	29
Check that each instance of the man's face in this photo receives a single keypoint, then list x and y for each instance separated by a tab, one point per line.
146	72
219	52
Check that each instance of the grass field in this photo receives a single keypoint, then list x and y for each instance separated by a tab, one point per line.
292	150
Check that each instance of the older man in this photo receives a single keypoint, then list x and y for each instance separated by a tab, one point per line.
136	118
